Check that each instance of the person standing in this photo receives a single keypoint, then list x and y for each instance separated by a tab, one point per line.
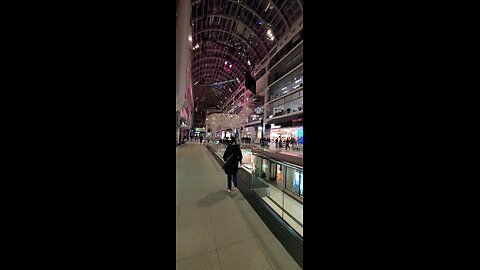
287	143
201	138
232	156
276	142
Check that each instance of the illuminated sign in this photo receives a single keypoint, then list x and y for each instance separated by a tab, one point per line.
300	136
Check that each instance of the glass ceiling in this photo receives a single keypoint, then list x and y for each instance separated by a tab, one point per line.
229	37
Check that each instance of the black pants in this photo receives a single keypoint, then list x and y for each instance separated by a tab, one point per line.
229	180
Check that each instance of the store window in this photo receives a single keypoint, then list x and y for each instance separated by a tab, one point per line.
276	175
294	180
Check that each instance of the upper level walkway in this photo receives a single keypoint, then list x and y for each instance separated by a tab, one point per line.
216	229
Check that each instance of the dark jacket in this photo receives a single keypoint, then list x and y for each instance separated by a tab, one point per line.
231	166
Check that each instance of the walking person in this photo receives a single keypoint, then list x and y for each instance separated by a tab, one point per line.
287	143
232	156
276	142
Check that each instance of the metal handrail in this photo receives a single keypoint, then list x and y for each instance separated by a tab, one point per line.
282	162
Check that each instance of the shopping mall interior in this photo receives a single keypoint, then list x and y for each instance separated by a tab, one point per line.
239	81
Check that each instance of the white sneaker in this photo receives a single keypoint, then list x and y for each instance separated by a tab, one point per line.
229	190
235	189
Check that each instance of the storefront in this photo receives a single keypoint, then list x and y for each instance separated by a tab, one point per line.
288	132
254	133
199	132
226	134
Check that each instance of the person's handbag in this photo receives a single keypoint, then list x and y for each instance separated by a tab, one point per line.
223	167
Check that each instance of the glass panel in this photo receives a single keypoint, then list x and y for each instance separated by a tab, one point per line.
294	106
289	180
287	84
270	187
265	172
257	164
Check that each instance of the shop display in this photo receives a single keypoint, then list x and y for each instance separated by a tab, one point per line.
295	133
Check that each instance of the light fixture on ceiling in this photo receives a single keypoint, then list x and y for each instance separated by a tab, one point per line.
270	34
190	38
248	62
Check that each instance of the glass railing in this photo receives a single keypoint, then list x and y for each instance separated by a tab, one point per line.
248	148
285	50
293	60
286	85
290	104
219	148
280	185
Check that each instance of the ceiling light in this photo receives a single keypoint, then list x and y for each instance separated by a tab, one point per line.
248	62
190	37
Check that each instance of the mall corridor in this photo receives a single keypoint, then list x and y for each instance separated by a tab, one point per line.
216	229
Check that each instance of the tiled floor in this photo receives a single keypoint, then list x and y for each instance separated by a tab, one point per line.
216	229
